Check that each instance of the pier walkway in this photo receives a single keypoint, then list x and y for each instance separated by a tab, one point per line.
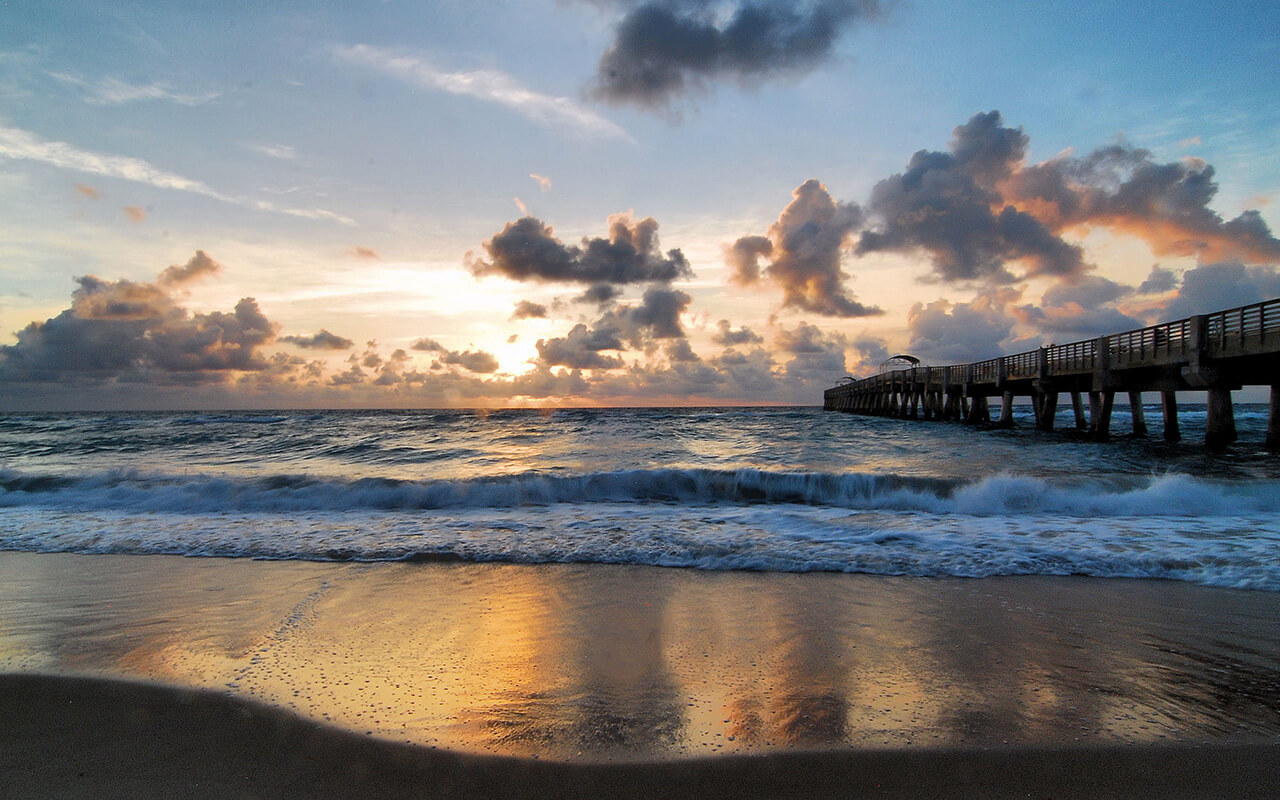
1216	353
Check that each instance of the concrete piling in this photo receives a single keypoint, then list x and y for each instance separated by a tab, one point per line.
1169	404
1135	409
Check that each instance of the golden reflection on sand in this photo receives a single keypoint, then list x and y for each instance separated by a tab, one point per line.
611	662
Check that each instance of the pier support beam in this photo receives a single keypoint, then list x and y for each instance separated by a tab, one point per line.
1048	410
1135	409
1100	404
1220	427
979	412
1006	409
1077	405
1169	404
1273	421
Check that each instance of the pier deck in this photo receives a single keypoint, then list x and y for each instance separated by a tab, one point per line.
1216	353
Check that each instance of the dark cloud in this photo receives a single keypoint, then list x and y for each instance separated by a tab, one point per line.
948	205
580	349
1124	188
679	350
657	316
471	360
725	336
324	340
804	247
1089	291
527	309
1160	280
600	294
664	48
527	249
640	327
127	331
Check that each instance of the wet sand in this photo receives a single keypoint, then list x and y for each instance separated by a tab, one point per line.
628	677
74	737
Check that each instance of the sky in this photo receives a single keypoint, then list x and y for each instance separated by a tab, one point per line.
610	202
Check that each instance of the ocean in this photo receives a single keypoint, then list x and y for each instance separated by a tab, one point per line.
766	489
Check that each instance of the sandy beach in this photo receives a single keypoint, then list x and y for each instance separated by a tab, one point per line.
212	677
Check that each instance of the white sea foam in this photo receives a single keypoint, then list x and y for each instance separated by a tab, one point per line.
1242	551
1168	495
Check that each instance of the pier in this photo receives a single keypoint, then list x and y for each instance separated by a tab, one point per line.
1215	353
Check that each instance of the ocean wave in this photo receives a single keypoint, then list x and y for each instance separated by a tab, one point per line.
1241	552
1171	495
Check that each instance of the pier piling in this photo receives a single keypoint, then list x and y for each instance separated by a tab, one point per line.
1135	409
1220	427
1169	404
1273	419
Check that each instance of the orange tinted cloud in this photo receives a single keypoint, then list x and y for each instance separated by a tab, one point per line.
135	213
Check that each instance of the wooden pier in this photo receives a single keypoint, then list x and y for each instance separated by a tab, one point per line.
1215	353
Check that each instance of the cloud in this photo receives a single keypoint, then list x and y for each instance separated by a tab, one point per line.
471	360
136	332
1167	205
1214	287
363	252
85	190
490	85
284	152
580	349
1158	281
981	214
527	309
725	336
544	183
953	333
25	146
135	213
528	249
323	340
804	249
817	355
657	317
662	49
680	351
198	266
947	206
600	294
524	210
1080	309
872	351
115	92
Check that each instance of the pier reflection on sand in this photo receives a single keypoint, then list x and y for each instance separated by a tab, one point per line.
614	662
